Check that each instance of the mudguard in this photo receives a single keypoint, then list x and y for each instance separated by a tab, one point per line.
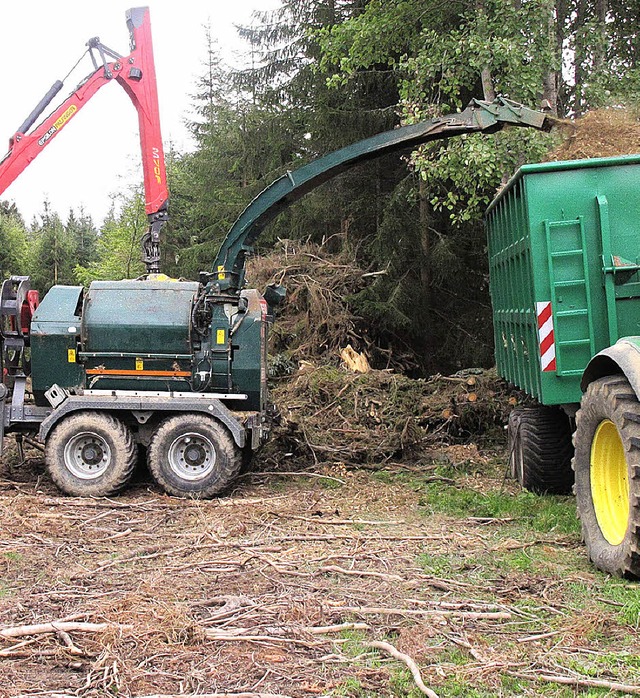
622	357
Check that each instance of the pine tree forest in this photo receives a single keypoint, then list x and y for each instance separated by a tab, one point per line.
320	74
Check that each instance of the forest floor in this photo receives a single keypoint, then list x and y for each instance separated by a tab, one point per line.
283	586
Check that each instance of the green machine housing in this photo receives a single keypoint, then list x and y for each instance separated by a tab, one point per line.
151	335
563	259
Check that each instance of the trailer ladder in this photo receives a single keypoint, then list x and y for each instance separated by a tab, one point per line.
570	295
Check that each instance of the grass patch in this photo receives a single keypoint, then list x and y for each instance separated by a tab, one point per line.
402	684
457	688
542	514
520	560
354	642
620	598
330	484
12	556
349	687
624	598
516	687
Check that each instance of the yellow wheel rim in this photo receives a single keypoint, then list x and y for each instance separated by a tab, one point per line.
610	482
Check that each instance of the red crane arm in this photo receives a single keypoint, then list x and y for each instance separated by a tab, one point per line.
136	74
143	92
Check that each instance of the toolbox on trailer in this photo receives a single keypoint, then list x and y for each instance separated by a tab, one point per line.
563	260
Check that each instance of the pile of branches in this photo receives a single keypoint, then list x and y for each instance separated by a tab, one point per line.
333	415
317	319
336	416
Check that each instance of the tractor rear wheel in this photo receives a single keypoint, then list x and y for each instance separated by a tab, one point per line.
607	470
90	454
193	455
540	449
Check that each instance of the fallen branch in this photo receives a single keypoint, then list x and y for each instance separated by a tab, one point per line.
467	645
362	573
466	615
406	659
66	639
540	636
17	650
217	636
349	536
293	474
578	682
338	522
322	629
22	630
24	654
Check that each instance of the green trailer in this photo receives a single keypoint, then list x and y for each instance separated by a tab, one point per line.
564	261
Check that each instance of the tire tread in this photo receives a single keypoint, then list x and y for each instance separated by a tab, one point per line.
123	442
547	449
229	457
611	398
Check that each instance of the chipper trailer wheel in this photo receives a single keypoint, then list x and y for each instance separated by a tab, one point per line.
193	455
90	454
607	469
540	449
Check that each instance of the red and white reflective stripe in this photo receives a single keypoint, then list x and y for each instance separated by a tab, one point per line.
264	307
546	336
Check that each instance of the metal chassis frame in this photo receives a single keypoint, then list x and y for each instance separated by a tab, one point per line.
76	403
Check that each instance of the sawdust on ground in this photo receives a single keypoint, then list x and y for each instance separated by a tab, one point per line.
278	587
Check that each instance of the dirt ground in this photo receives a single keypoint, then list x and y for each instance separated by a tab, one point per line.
280	587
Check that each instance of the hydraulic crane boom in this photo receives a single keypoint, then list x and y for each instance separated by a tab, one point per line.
136	74
478	117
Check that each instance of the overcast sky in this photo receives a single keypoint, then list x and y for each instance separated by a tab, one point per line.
98	154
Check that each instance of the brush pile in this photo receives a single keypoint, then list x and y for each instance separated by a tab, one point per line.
334	416
315	321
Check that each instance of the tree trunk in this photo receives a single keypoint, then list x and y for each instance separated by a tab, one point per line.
488	92
550	80
425	241
600	44
561	19
579	58
331	12
487	84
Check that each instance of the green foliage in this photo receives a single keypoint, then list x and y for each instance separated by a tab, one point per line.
84	236
13	242
352	687
118	247
508	39
51	252
463	175
49	249
625	599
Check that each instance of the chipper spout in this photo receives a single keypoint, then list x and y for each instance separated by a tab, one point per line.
479	117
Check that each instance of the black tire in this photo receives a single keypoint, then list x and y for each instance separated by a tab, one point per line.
607	403
90	454
540	449
193	455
